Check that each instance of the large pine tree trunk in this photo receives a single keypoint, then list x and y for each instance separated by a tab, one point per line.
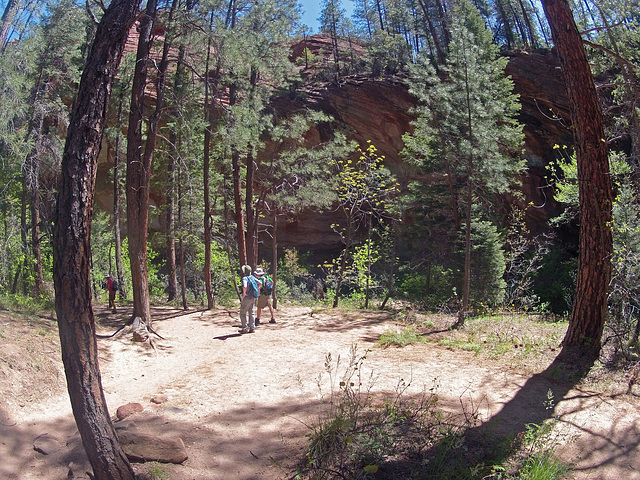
154	121
432	31
466	281
594	183
207	212
178	87
138	174
237	200
72	245
172	277
183	275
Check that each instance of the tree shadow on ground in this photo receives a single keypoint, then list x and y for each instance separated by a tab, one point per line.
338	322
242	442
20	460
491	442
124	316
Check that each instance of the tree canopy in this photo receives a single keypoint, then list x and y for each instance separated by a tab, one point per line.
210	141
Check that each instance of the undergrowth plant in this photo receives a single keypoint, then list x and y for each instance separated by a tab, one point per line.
156	471
26	305
363	435
405	337
535	459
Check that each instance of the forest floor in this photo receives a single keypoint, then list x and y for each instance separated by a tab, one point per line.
244	404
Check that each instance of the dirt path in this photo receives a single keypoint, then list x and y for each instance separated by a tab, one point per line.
242	403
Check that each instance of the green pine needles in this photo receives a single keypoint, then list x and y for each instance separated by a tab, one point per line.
466	133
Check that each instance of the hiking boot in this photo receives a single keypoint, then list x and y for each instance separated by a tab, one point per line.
244	330
252	330
257	321
273	320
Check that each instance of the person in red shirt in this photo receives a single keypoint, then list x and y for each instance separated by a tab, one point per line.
112	290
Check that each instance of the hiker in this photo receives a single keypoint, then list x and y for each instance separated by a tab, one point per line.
112	288
264	300
250	293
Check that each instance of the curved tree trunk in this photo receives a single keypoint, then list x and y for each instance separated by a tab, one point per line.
594	184
72	245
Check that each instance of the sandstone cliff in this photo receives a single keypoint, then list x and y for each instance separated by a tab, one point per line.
377	109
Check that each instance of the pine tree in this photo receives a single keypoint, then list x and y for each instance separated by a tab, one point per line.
49	62
296	177
251	66
332	17
466	126
589	311
72	246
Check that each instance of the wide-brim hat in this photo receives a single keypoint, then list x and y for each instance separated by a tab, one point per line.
259	271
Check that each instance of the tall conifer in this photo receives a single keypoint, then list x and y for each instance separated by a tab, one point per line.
466	125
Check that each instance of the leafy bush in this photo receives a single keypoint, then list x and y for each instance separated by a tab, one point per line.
413	286
26	305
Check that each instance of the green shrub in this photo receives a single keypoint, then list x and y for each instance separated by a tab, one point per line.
26	305
406	337
363	436
156	471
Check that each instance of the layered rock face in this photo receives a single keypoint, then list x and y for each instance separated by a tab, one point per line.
378	109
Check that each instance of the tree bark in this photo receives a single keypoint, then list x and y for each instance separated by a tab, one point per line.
172	288
172	280
117	233
72	245
239	215
207	219
237	191
594	187
252	220
152	135
10	11
35	226
35	132
138	174
183	275
432	31
274	259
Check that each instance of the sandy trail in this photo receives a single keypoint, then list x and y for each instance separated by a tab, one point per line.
243	403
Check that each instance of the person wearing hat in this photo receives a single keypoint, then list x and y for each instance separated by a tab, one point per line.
250	293
264	300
